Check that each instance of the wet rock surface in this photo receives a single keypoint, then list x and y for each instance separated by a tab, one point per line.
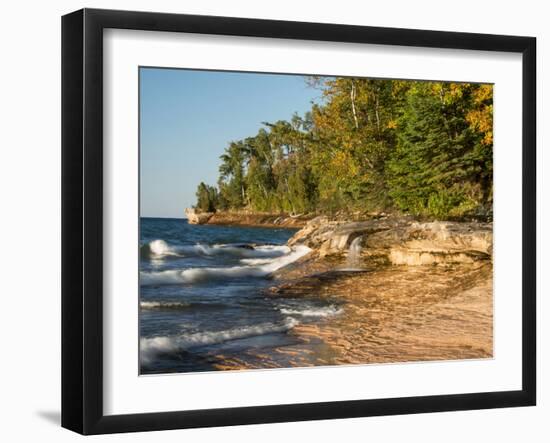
388	315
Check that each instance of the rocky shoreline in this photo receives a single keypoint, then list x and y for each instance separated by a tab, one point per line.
246	218
400	240
416	292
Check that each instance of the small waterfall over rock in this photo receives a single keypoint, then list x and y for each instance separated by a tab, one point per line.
354	254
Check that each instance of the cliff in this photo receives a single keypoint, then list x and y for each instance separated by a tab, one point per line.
195	217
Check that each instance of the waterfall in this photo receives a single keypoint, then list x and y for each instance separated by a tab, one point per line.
354	254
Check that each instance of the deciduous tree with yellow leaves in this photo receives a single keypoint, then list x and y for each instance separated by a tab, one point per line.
424	148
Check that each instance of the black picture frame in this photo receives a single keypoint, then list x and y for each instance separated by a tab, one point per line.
82	220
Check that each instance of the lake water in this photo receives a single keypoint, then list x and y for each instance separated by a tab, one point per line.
203	294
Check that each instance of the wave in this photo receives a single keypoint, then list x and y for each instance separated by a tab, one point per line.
153	305
164	305
150	347
326	311
160	249
295	254
157	249
248	251
256	261
195	275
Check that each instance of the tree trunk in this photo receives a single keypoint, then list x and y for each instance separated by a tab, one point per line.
377	115
352	96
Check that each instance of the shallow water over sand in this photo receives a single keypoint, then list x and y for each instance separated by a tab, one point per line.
391	314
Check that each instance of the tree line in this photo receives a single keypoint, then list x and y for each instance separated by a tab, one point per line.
423	148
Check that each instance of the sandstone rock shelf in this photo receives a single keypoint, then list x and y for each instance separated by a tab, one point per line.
400	240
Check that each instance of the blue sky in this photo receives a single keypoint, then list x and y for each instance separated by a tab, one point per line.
187	119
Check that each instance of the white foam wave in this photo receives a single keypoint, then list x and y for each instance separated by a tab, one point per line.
150	347
264	251
163	305
256	261
171	277
160	248
326	311
294	254
194	275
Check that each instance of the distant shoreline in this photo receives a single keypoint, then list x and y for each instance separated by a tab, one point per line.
249	219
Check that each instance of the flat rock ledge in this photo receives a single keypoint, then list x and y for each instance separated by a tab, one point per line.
400	240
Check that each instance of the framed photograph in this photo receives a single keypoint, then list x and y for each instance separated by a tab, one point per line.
268	221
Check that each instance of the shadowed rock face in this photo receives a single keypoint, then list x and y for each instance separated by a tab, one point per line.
401	240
